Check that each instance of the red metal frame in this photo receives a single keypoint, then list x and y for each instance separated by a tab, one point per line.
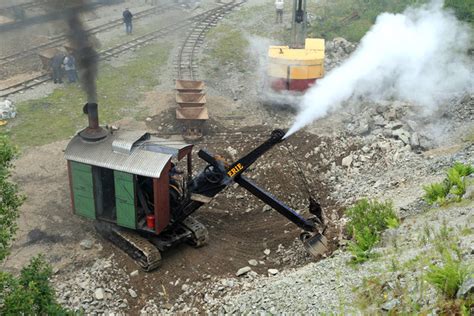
162	199
282	84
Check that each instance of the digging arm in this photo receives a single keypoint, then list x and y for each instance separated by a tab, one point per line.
217	176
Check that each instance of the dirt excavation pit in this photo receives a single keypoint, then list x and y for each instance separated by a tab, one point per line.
241	228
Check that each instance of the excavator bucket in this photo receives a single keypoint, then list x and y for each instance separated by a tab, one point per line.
316	210
315	244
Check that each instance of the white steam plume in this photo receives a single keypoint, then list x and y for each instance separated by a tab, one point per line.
418	56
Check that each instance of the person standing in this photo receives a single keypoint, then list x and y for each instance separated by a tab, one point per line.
56	66
279	4
127	19
70	67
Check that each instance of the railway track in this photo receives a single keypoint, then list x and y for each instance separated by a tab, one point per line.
25	5
209	15
185	64
62	39
48	16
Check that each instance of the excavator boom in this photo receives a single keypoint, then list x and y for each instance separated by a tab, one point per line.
217	176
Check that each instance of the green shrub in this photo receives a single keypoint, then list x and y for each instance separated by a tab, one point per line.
10	200
464	170
7	153
31	293
362	244
448	276
455	183
458	183
367	220
436	193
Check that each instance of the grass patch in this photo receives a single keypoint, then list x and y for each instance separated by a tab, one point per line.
228	45
367	220
334	16
260	20
452	188
59	115
403	287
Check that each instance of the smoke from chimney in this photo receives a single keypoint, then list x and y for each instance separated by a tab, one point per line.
418	56
86	56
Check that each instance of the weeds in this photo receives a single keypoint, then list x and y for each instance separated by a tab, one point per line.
448	276
436	193
450	271
367	220
452	188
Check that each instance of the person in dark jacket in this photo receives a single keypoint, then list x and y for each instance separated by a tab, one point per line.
56	66
127	19
70	67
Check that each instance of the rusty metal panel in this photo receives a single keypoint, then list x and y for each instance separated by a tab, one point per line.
192	113
190	99
189	85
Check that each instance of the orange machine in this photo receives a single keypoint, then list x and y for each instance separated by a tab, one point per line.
296	69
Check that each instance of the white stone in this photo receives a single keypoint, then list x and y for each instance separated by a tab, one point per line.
86	244
132	293
253	262
266	252
273	271
243	271
347	161
99	294
134	273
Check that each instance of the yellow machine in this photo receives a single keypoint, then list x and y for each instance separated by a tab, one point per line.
296	67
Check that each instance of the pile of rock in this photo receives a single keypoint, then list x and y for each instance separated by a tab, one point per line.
100	288
396	120
337	50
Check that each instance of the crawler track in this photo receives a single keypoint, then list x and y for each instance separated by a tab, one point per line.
61	39
185	63
209	16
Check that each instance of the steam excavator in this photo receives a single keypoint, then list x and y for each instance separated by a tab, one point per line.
127	183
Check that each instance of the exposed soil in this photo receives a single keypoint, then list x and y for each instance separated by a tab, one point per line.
238	228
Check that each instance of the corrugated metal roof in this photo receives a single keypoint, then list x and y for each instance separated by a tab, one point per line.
125	151
125	141
164	146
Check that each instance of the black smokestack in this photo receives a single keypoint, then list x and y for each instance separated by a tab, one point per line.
84	52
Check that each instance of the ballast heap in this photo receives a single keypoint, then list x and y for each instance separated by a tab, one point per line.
126	182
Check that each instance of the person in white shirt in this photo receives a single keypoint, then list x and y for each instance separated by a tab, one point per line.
279	4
